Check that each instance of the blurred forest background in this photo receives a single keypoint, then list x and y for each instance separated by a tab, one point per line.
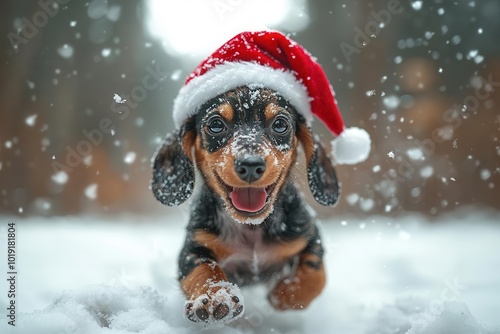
425	84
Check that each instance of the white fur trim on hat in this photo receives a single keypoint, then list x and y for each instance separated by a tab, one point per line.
352	146
227	76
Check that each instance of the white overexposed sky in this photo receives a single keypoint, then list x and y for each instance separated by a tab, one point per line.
194	28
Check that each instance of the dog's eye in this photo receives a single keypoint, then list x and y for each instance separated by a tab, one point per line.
280	125
216	126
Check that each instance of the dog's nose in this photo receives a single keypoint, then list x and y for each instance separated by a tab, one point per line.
250	168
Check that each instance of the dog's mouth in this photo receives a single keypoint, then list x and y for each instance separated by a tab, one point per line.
250	201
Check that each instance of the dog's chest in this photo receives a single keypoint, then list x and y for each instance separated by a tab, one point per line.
250	252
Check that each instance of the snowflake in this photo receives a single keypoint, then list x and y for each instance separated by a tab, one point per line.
118	99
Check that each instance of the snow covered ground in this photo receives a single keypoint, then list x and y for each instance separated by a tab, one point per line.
385	275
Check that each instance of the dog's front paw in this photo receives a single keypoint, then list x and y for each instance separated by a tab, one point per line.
299	290
294	293
287	295
220	304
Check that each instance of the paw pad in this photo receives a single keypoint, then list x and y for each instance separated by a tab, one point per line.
221	304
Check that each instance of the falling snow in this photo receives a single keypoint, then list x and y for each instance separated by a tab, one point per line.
139	121
366	204
391	101
30	120
105	52
352	199
426	172
129	158
97	9
65	51
485	174
118	99
176	75
60	177
416	5
415	154
113	13
91	191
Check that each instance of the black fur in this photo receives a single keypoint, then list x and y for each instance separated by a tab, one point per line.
322	178
173	171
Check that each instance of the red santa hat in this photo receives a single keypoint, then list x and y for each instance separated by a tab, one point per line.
272	60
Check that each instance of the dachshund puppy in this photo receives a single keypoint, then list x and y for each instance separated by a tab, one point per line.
248	223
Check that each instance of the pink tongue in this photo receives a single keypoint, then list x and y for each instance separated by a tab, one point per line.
248	199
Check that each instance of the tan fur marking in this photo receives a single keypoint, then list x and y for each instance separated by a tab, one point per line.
226	111
195	284
298	291
305	137
308	257
207	163
187	143
213	243
284	251
271	110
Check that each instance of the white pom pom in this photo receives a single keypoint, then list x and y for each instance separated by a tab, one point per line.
351	147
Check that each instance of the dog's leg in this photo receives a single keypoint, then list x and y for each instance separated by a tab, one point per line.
302	287
210	297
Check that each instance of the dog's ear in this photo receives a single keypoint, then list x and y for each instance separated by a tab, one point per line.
320	171
173	169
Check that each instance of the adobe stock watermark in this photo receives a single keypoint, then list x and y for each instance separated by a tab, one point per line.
453	119
372	28
450	293
12	272
222	7
31	26
74	156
